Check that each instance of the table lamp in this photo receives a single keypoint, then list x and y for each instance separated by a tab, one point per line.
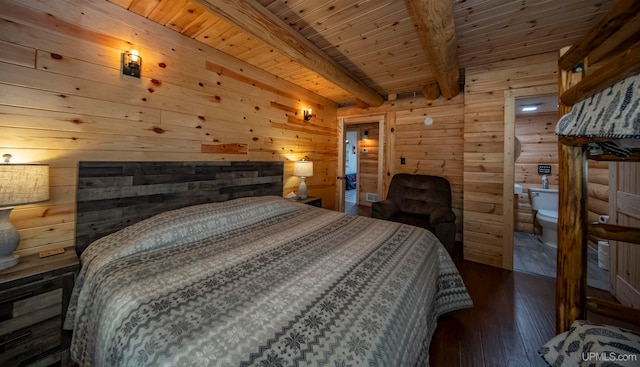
20	184
302	169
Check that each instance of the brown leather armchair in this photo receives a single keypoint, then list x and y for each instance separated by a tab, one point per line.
420	200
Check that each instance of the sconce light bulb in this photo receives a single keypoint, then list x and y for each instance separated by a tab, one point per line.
134	56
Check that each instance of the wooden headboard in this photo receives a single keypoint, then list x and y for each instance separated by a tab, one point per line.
114	195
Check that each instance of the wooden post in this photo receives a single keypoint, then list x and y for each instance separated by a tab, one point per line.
572	236
571	271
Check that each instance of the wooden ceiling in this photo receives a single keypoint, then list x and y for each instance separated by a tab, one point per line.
368	51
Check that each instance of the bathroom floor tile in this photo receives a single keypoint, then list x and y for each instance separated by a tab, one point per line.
532	256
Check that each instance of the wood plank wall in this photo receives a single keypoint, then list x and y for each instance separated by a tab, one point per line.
538	145
434	150
63	100
484	148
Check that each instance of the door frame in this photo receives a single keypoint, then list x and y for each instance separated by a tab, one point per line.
509	162
342	135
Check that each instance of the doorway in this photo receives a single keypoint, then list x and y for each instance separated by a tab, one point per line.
535	167
351	164
360	151
534	156
508	195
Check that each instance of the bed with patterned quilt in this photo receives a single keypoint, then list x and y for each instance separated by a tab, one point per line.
261	281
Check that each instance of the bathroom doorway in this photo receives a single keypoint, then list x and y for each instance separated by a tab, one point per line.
535	167
535	159
513	148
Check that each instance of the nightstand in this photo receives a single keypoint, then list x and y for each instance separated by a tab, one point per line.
34	296
310	200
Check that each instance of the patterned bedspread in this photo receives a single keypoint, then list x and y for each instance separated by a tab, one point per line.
261	282
612	113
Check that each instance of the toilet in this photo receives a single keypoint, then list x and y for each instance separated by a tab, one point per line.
545	202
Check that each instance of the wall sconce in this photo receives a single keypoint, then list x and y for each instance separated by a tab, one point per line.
131	63
307	114
366	135
20	184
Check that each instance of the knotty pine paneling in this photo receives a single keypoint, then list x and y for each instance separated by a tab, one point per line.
64	101
484	148
538	145
436	149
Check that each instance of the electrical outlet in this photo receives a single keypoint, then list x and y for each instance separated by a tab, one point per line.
402	160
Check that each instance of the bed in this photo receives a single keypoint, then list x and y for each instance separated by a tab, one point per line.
600	109
260	281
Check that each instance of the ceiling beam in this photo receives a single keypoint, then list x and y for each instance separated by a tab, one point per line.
253	18
436	29
431	91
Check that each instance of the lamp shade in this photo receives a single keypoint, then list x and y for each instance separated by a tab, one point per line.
303	168
22	184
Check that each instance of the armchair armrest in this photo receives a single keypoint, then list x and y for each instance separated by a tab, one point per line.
440	215
384	209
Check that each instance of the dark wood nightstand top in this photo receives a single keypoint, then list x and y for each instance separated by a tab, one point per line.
32	268
311	200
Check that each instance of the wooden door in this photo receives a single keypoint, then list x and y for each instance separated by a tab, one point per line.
624	209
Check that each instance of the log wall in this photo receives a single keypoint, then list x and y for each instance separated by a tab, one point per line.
64	100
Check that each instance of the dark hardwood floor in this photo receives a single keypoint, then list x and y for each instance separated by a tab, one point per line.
512	317
353	209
